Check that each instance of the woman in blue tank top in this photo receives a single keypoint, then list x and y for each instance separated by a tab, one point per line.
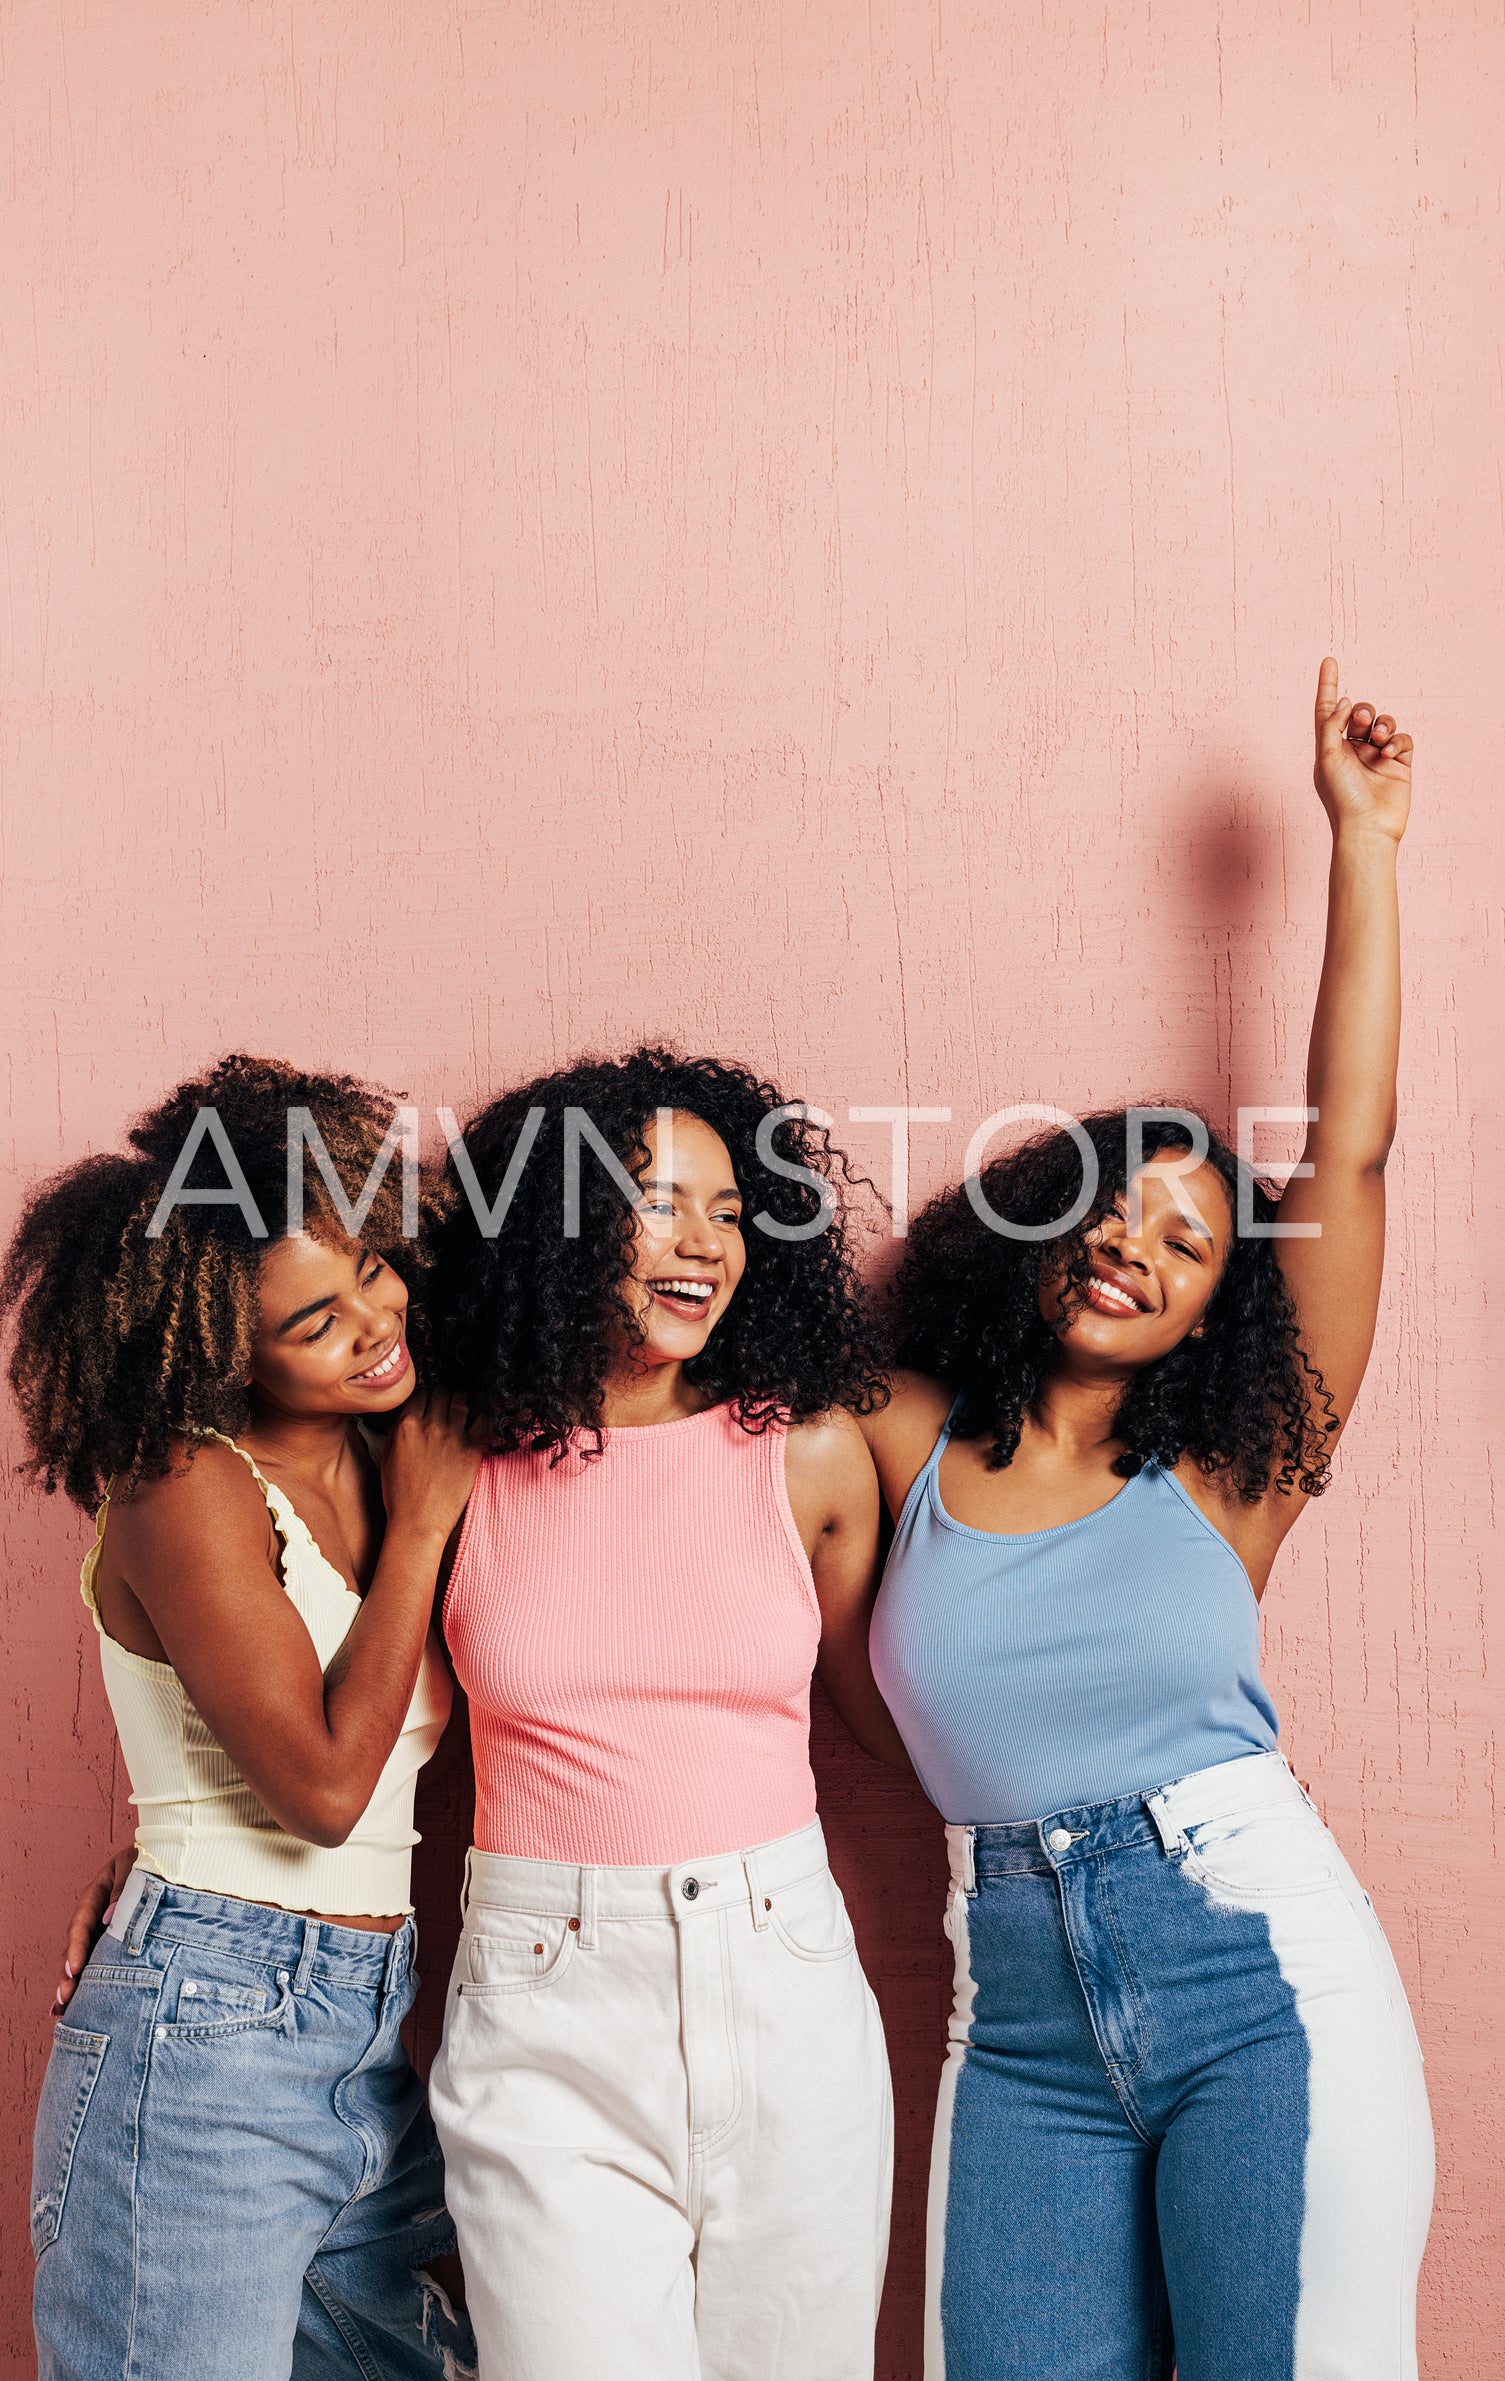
1182	2123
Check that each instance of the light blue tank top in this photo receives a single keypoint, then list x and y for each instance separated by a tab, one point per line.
1036	1672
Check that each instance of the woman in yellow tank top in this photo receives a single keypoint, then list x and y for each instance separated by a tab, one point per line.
235	2175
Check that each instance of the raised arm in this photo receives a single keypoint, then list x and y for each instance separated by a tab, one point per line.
1363	776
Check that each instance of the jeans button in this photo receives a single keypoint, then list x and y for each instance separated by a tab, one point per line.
1059	1839
690	1888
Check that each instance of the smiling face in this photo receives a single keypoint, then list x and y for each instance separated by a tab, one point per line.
688	1252
330	1335
1150	1286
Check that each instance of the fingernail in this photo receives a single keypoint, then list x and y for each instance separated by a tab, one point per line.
67	1967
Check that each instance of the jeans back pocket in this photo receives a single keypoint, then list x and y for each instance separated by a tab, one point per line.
67	2088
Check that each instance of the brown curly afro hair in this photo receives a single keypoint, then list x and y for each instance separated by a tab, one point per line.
1243	1399
127	1344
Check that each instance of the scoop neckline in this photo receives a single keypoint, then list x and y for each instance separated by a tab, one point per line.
1022	1537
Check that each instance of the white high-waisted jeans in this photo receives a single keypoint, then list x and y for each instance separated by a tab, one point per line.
664	2103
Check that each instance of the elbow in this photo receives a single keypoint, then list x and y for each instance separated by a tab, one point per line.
331	1833
1380	1156
325	1817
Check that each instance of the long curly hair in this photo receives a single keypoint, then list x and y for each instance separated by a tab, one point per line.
127	1344
1243	1399
527	1324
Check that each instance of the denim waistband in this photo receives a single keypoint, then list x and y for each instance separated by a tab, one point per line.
347	1955
1160	1816
579	1892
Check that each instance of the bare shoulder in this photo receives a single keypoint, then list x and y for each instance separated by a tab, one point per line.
902	1434
827	1452
917	1407
208	1495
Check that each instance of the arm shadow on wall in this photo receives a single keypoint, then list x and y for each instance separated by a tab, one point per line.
1235	921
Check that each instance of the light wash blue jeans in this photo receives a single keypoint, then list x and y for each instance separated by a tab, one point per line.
1182	2122
234	2175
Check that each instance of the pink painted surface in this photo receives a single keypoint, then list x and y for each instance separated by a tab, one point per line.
807	530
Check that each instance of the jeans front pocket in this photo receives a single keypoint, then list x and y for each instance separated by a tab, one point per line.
67	2088
506	1951
1262	1855
201	2017
810	1918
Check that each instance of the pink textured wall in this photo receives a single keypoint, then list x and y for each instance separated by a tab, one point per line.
805	528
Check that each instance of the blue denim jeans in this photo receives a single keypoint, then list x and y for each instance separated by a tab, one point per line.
1182	2120
234	2176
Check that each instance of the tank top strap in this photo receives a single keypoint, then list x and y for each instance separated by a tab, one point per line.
288	1523
284	1521
919	1486
88	1573
223	1439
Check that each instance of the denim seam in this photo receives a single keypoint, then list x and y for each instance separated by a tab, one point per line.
144	2054
331	2307
1123	2098
710	2141
370	2150
1130	1980
1162	2358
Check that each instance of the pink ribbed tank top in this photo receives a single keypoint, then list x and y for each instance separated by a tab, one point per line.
636	1632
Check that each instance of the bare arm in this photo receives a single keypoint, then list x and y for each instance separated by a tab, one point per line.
833	1492
1363	775
310	1743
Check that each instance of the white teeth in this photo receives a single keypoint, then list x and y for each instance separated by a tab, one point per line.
388	1364
685	1289
1116	1297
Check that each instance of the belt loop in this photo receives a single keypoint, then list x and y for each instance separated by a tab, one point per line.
969	1862
306	1957
1172	1837
755	1893
145	1892
465	1886
396	1959
588	1878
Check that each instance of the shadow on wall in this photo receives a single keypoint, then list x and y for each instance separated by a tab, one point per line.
1251	897
889	1854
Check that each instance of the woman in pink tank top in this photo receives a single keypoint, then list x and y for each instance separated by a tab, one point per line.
662	2090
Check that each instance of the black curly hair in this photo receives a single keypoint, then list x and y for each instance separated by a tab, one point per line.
125	1344
1243	1399
528	1324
